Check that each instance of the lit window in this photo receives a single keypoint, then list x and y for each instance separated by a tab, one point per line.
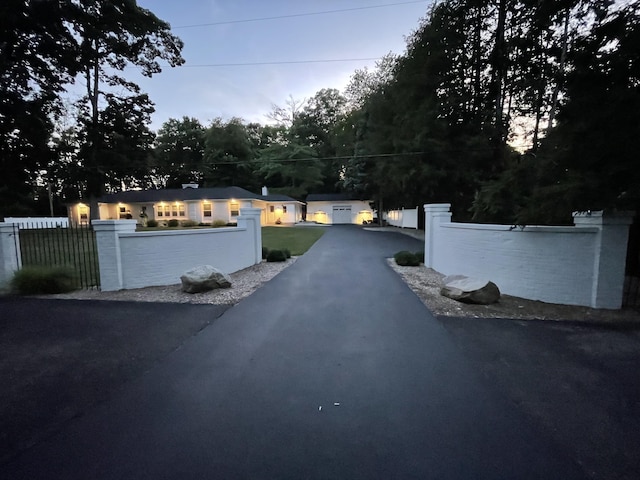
234	208
284	209
84	212
271	208
206	209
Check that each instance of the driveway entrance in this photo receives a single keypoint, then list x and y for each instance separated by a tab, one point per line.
334	369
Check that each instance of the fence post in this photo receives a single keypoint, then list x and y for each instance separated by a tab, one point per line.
250	219
108	244
610	255
9	253
434	215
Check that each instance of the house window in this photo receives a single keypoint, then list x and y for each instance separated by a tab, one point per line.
123	213
206	209
284	209
83	210
234	208
175	210
271	209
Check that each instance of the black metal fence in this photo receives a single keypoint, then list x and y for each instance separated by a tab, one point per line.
73	246
631	296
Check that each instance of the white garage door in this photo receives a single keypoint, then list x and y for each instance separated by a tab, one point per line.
342	214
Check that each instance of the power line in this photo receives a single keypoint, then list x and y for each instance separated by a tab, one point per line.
282	62
280	160
295	15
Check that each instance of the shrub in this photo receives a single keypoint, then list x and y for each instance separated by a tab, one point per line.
276	256
173	223
287	253
265	252
406	259
420	256
219	223
204	224
189	223
152	223
43	280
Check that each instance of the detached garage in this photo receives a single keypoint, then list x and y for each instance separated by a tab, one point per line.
338	208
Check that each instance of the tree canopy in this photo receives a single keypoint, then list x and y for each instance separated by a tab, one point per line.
514	111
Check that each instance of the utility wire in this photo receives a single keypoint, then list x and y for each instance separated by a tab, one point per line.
283	62
295	15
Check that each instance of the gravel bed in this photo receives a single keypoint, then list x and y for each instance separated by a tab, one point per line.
426	283
243	284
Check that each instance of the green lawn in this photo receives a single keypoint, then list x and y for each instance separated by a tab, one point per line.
296	239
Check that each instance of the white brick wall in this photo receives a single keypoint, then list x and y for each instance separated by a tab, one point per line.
130	259
580	265
9	253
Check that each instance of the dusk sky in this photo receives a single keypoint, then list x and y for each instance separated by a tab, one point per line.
248	91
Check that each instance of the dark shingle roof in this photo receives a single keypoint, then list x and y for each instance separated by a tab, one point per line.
181	194
334	197
276	197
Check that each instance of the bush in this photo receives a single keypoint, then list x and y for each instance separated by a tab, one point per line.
420	256
219	223
152	223
265	252
204	224
43	280
406	259
173	223
276	256
287	253
189	223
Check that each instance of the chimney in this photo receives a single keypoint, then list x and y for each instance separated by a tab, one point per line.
265	191
189	185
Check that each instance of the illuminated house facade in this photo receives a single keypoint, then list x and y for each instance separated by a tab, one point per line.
200	205
338	208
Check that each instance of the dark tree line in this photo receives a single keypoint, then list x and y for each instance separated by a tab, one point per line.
514	111
46	45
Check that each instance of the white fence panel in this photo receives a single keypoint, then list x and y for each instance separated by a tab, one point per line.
40	222
404	218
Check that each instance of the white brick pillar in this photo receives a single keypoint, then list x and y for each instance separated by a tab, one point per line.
9	253
108	243
610	255
250	219
434	215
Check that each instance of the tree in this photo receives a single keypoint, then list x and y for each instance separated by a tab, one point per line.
113	34
316	126
588	159
229	151
37	57
290	168
179	153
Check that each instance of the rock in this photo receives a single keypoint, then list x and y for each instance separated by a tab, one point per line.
470	290
204	278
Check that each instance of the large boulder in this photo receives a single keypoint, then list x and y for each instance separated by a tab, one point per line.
204	278
470	290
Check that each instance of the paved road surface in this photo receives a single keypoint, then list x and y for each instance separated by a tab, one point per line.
255	394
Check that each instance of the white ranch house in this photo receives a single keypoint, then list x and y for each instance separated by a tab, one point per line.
201	205
338	208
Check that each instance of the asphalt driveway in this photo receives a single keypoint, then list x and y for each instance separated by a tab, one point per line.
334	369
